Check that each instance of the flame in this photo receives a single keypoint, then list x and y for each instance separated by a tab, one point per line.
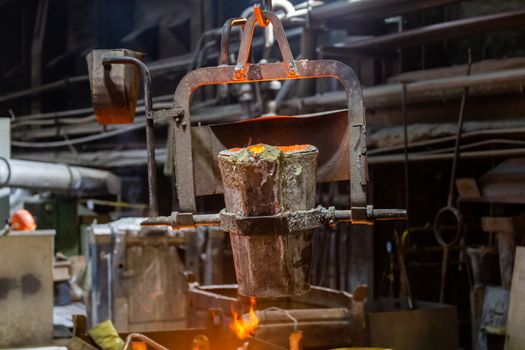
243	327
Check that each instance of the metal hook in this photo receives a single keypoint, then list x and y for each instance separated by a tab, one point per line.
259	16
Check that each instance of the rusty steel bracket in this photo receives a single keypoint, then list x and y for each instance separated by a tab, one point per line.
282	223
245	72
224	56
278	224
150	127
167	113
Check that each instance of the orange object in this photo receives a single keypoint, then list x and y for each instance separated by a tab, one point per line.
139	345
22	220
295	340
243	327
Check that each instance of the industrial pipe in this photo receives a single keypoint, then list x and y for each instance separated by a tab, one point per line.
391	93
57	177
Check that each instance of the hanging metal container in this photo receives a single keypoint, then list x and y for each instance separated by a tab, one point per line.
262	184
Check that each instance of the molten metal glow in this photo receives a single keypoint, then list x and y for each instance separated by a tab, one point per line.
244	327
293	148
256	149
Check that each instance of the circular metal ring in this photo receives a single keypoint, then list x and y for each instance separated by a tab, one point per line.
437	230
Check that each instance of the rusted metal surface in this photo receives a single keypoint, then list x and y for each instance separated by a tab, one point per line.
274	262
224	54
282	222
150	126
327	317
244	72
333	161
212	334
137	336
114	91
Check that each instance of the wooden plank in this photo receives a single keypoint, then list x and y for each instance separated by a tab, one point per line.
501	224
515	338
61	271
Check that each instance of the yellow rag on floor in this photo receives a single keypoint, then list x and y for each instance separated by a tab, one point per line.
106	337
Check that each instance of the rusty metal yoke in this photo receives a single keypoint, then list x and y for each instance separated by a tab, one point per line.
245	72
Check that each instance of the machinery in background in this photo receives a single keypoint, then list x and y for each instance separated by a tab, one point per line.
138	279
269	167
115	103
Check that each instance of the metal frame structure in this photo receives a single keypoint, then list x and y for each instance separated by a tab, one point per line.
150	126
244	72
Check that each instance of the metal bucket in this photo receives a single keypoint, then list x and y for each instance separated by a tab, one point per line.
262	181
115	88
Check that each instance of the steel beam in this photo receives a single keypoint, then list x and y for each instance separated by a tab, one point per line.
372	9
436	32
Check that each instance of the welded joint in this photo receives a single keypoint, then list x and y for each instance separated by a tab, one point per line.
167	113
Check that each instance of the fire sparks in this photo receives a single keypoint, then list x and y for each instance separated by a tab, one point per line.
243	327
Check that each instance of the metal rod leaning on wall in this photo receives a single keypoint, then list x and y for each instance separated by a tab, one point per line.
450	208
150	127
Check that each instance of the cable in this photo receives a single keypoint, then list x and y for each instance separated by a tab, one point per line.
294	320
91	138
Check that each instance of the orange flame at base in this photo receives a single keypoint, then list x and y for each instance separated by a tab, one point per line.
243	327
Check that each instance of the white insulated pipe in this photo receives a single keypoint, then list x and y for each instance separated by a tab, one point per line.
57	177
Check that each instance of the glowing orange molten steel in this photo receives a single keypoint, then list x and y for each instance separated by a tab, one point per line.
256	150
259	148
244	327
